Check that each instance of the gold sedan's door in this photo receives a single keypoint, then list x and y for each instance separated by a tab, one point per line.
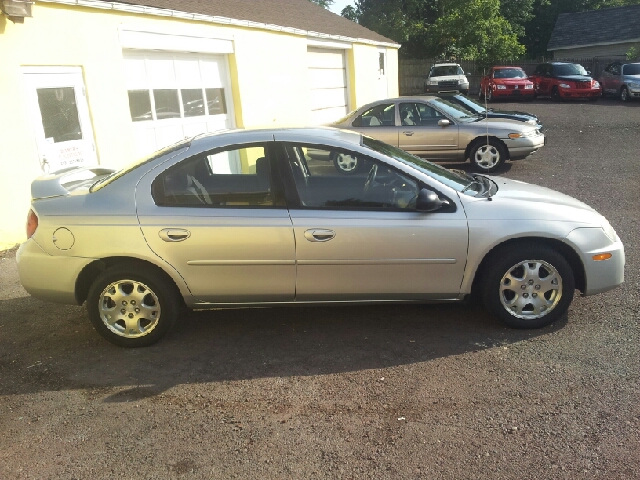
426	132
216	220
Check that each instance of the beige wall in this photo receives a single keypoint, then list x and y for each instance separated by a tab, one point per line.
608	51
268	73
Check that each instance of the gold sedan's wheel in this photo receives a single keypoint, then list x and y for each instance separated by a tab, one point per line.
129	309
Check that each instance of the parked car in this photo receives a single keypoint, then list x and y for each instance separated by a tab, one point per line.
446	77
506	82
621	79
441	130
246	218
561	81
479	109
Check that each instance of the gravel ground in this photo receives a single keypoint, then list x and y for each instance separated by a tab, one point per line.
362	392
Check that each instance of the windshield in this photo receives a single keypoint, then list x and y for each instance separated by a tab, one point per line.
453	109
467	103
104	181
445	70
569	69
632	69
509	73
457	181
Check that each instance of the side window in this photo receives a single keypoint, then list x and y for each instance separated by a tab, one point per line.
379	116
419	114
237	177
371	184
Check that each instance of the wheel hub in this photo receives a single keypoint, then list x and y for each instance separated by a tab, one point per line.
129	308
530	289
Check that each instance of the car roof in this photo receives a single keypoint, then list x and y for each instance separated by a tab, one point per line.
283	133
446	65
506	66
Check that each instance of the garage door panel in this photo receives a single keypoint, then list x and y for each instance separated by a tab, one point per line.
326	78
328	98
325	59
175	95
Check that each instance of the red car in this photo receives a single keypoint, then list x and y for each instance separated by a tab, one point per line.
561	81
503	82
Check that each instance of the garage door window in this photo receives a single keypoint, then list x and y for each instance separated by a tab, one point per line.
195	102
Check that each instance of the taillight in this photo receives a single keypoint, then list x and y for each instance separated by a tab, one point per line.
32	223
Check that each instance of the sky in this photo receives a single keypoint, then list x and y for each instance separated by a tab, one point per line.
338	5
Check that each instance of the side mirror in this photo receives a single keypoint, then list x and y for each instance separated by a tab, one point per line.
428	201
588	72
444	123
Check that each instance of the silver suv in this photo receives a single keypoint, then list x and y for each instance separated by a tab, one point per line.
621	79
446	77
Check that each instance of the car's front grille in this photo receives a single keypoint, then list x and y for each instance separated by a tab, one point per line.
583	85
448	83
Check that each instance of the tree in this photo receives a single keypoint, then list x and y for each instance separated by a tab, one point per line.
323	3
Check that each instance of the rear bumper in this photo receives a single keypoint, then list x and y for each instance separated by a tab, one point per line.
47	277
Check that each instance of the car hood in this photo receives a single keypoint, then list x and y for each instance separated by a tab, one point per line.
632	78
512	113
502	123
512	81
516	200
575	78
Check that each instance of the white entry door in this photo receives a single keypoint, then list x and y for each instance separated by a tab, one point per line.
60	117
383	84
327	85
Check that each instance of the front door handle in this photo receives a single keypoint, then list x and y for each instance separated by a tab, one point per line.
408	134
174	234
319	235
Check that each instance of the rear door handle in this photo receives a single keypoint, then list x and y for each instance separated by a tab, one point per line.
174	234
408	134
319	235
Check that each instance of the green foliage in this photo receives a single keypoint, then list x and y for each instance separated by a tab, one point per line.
633	54
323	3
473	29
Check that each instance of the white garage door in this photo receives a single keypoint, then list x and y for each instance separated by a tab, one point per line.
327	85
176	95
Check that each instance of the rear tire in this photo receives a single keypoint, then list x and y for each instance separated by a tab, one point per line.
132	305
528	286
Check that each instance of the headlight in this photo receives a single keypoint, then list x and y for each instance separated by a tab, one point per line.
529	86
501	87
528	133
564	85
634	84
596	84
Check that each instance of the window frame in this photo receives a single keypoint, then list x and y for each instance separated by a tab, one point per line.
277	188
293	196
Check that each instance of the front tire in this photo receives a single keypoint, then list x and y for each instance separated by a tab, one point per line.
132	306
487	157
480	93
555	95
624	94
528	286
489	95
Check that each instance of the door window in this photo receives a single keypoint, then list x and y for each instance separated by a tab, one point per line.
419	114
230	178
59	114
379	116
375	186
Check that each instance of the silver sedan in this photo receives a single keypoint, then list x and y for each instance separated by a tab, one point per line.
441	130
258	218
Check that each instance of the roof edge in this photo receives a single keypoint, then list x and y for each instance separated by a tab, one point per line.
630	40
163	12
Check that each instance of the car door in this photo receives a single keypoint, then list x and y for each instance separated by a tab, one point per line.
421	132
615	80
359	237
605	79
545	79
219	219
378	121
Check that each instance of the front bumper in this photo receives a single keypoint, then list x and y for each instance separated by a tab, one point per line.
579	93
600	275
633	92
48	277
520	148
520	93
437	89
